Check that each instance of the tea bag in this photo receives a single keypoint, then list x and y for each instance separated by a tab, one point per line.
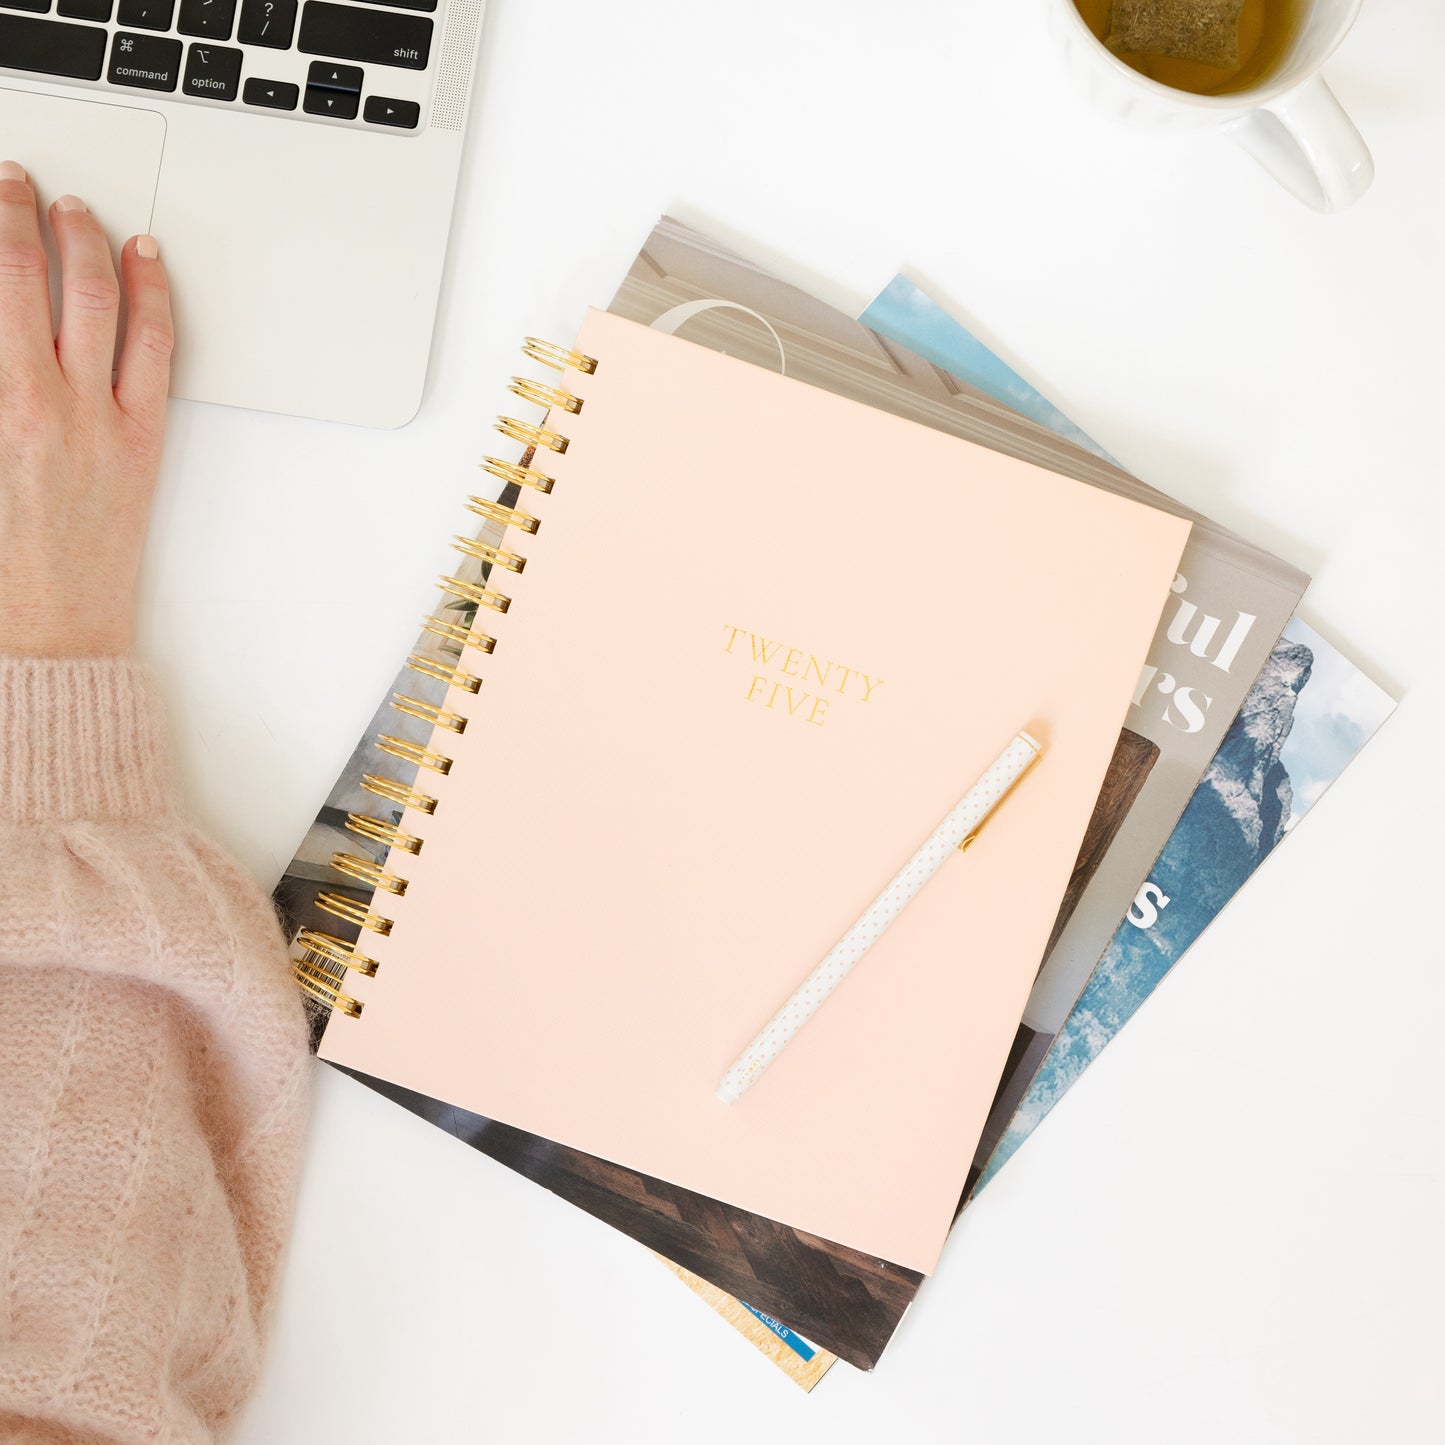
1204	31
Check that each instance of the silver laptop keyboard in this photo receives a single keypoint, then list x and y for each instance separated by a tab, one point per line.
362	66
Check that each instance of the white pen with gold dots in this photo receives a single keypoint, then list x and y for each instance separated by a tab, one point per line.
955	832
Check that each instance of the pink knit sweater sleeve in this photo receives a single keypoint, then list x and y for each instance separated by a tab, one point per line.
153	1078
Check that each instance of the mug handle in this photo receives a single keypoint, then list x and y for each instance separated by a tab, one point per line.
1309	145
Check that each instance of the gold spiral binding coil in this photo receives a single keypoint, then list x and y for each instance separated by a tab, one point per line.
438	717
543	395
324	989
335	950
523	477
475	592
395	792
559	358
452	676
486	552
455	632
338	905
365	826
324	957
531	436
365	871
410	752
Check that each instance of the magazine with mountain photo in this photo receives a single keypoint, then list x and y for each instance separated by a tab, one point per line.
905	312
1307	716
1309	713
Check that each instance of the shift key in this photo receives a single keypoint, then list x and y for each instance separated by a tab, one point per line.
351	32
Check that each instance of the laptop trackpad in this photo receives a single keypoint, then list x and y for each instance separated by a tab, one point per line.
108	155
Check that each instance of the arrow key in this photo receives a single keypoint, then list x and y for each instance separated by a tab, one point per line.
327	75
273	94
401	113
338	104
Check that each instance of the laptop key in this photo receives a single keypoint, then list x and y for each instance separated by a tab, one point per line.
213	72
273	94
351	32
146	14
38	6
338	104
46	47
267	22
403	114
147	62
85	10
335	77
209	19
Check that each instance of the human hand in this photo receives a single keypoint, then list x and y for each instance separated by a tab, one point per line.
78	455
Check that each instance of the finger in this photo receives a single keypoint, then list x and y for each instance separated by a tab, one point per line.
145	358
89	297
25	334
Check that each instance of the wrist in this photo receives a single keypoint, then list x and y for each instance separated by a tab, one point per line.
63	642
44	626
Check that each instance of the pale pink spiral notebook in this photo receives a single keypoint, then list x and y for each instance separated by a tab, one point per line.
764	640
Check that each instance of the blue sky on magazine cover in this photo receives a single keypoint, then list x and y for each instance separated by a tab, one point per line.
1334	718
1308	715
910	317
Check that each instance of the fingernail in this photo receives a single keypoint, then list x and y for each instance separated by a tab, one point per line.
69	203
12	171
147	247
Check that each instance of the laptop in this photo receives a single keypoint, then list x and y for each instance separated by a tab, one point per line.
296	159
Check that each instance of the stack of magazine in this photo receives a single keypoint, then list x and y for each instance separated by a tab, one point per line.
1242	717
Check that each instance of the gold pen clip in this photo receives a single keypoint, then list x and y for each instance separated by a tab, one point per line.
1026	770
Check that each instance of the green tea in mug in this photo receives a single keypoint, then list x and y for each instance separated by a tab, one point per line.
1208	47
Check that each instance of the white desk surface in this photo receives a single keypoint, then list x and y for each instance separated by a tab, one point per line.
1232	1228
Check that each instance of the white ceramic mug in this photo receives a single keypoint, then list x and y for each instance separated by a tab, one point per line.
1290	122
